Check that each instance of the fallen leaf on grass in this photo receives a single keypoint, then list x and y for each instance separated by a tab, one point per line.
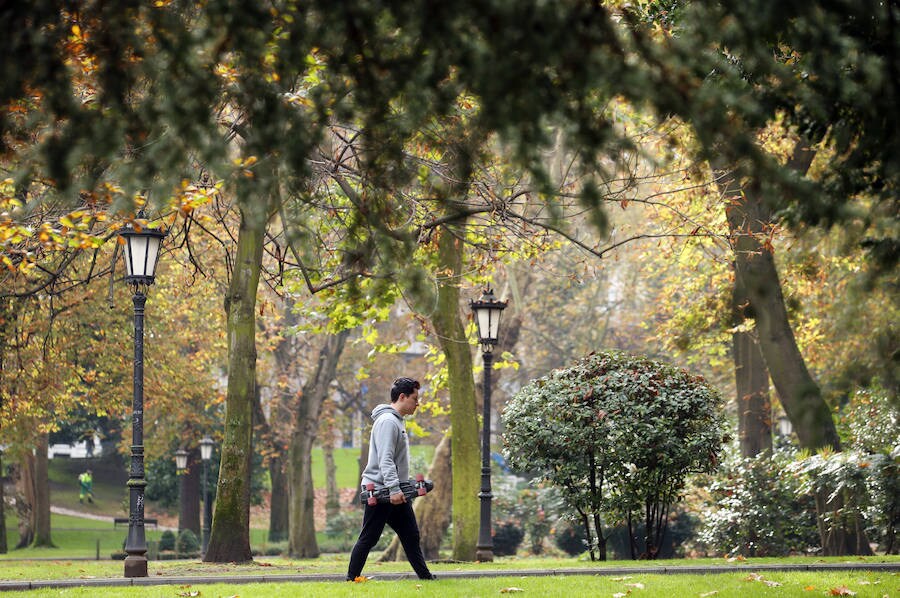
189	594
707	594
510	590
754	577
638	585
621	578
771	584
841	591
809	589
619	595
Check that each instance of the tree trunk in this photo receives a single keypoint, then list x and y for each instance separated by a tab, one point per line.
230	536
801	397
332	495
4	548
302	532
279	501
189	499
432	511
752	384
276	434
466	454
6	314
25	500
41	506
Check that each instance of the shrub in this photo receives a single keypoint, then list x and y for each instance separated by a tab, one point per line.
757	508
508	535
618	435
167	540
540	505
187	543
866	482
570	537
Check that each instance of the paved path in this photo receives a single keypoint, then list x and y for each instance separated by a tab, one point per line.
288	578
82	514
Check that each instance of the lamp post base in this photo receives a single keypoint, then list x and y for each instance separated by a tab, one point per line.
135	566
484	554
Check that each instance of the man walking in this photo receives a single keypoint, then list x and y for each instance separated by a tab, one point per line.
387	466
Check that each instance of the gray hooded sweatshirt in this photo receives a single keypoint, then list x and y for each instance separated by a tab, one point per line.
388	450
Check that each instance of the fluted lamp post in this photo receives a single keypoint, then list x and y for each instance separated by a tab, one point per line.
206	449
487	314
141	253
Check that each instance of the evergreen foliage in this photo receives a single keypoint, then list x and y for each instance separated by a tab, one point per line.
187	543
619	435
167	540
756	509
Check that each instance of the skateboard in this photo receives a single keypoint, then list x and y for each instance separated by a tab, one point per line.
411	488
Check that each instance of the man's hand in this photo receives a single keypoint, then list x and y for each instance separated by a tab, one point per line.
398	499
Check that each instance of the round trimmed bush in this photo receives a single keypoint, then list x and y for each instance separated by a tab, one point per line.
187	542
618	434
167	540
508	535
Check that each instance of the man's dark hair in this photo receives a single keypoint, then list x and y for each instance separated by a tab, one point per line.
403	386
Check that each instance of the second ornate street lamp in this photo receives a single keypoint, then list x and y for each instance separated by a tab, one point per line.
181	461
206	449
141	252
487	314
785	427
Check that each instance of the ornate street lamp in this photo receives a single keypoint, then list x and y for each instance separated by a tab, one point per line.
206	449
181	461
141	252
785	427
487	314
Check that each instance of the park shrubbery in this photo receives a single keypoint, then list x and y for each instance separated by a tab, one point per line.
618	435
764	505
756	508
187	544
167	540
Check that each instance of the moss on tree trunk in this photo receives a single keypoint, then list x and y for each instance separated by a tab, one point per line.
466	454
230	536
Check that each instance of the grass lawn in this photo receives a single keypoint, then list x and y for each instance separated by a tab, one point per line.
110	477
75	537
733	584
79	537
17	570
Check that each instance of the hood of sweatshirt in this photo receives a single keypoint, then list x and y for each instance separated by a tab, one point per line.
382	410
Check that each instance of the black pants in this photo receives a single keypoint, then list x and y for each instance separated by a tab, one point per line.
403	521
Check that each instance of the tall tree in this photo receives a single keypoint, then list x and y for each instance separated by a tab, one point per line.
302	536
229	539
800	395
